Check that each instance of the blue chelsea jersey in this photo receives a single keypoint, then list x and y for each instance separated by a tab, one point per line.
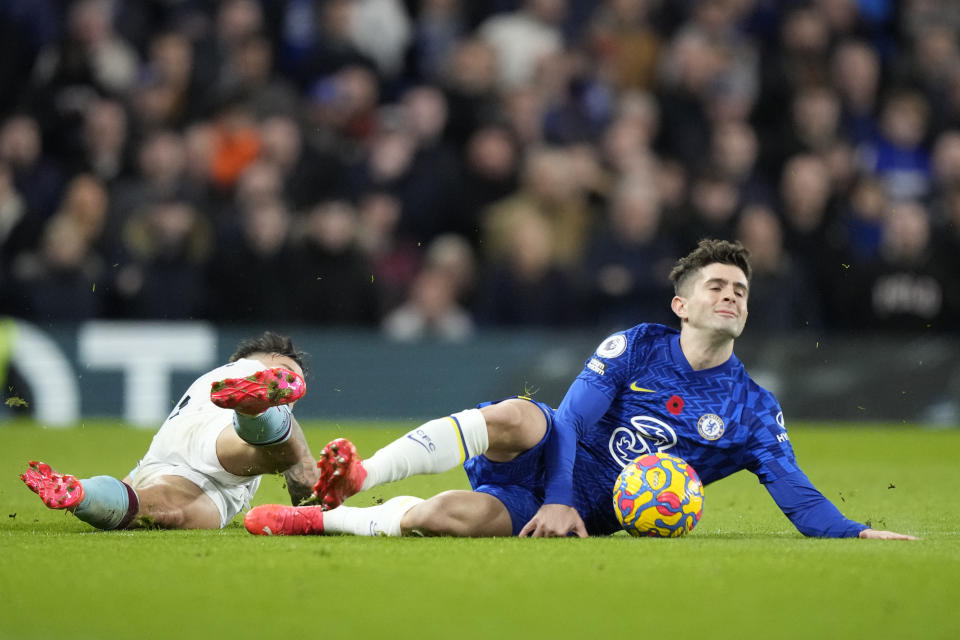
718	419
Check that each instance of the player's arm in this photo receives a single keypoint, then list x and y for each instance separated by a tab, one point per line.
583	405
813	515
773	460
809	511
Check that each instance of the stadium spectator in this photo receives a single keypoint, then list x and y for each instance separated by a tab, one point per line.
469	82
932	67
261	181
159	174
491	167
523	38
381	30
248	256
438	28
344	106
692	62
12	218
810	231
236	142
540	472
629	259
713	204
905	289
855	73
166	246
205	462
310	172
333	281
168	93
330	48
38	179
105	143
946	161
430	189
394	258
946	247
27	27
453	254
625	44
629	137
782	297
58	282
430	311
549	191
528	285
248	71
898	154
863	218
735	154
813	127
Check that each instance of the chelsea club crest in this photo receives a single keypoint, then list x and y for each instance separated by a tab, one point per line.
710	426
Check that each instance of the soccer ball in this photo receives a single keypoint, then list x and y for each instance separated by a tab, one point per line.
658	495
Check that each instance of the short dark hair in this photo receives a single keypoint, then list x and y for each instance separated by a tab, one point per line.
710	251
272	343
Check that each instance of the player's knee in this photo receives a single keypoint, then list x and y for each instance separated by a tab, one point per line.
513	426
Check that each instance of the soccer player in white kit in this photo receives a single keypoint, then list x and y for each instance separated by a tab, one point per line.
232	425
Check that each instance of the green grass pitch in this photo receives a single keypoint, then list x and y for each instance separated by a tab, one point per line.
743	573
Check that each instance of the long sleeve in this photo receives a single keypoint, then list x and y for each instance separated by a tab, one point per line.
581	408
809	511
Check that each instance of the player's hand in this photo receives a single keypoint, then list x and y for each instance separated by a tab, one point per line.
554	521
874	534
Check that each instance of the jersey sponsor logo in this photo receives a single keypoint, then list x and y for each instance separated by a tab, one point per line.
782	437
635	387
596	366
613	346
710	426
647	435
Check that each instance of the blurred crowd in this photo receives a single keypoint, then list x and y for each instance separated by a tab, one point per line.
432	167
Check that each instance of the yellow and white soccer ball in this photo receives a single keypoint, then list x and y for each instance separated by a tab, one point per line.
658	495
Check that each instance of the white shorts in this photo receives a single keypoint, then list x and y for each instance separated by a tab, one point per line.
186	446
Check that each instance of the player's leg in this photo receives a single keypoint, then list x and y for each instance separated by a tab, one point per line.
108	503
102	501
265	437
452	513
499	431
458	513
174	502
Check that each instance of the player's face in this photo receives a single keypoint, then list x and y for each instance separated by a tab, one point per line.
717	300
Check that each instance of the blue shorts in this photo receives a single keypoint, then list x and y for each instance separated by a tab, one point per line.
518	484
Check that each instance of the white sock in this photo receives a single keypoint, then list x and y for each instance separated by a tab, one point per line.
381	520
433	447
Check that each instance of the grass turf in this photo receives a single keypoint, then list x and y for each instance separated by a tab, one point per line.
743	573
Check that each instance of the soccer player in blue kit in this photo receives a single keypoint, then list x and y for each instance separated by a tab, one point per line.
540	472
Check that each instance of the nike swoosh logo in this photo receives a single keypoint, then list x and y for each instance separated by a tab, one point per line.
634	387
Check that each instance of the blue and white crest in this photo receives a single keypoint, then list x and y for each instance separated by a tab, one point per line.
710	426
